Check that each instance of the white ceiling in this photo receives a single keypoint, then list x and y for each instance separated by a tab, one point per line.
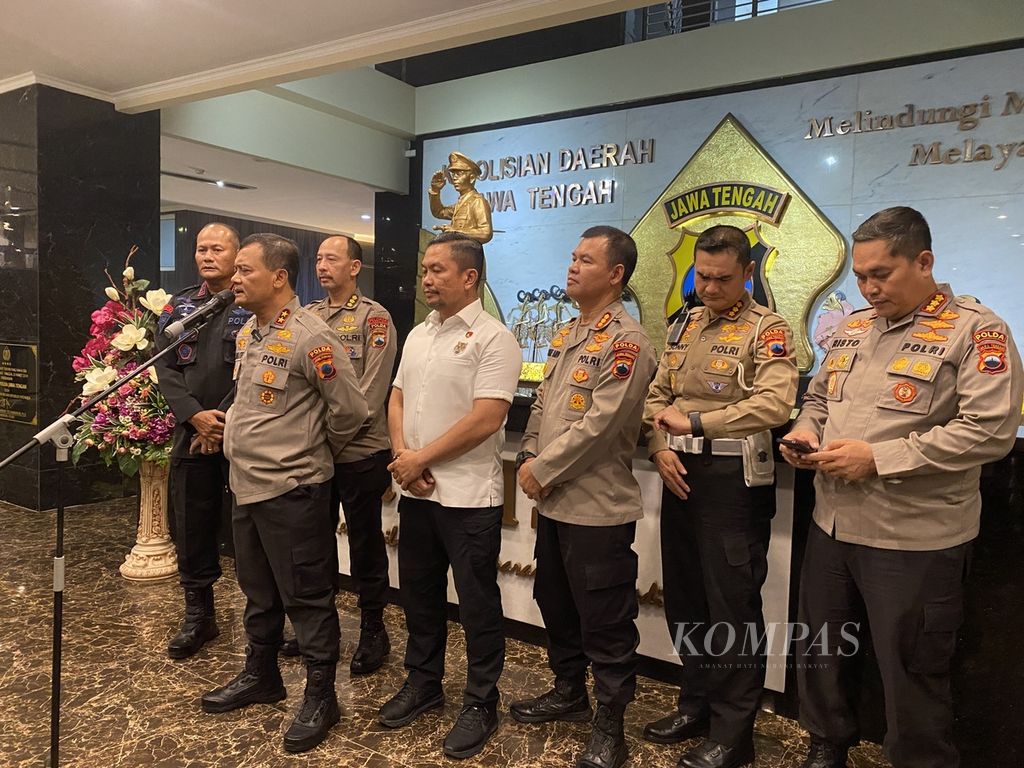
146	54
283	194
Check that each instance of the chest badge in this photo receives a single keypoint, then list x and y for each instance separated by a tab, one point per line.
577	402
267	397
580	375
904	392
460	347
269	377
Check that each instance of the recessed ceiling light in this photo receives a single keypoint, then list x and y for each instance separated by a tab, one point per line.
366	217
221	183
1001	216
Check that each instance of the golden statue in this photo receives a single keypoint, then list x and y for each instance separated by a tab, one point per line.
471	214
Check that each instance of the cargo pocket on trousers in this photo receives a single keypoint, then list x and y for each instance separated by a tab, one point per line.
936	639
310	570
611	592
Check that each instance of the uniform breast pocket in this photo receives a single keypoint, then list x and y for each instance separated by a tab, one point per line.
909	384
838	363
270	389
580	392
719	377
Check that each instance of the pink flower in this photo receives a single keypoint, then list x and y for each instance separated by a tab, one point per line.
109	437
79	364
125	390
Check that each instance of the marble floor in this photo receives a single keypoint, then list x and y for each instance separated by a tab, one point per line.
126	704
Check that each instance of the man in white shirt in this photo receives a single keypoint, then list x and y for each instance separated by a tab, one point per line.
459	372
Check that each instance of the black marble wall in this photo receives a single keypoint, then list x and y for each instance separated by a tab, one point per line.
85	187
396	256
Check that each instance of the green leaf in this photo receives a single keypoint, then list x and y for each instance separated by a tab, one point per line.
78	450
140	285
128	464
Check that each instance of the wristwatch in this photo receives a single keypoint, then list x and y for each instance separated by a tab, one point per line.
696	428
521	458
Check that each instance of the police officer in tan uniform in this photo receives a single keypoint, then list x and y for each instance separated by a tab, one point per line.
914	396
577	465
727	376
361	474
296	405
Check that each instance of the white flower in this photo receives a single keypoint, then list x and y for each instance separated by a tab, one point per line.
98	379
152	373
130	337
129	273
112	293
155	301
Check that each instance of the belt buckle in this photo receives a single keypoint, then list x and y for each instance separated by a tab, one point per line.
693	444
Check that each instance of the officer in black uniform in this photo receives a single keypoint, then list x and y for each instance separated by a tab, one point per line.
196	381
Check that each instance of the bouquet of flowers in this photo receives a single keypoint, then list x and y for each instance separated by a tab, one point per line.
134	424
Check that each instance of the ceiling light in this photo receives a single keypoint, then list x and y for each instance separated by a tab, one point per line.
221	183
366	217
1001	216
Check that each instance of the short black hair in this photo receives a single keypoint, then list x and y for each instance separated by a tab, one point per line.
725	237
278	253
621	248
355	250
903	228
467	252
232	232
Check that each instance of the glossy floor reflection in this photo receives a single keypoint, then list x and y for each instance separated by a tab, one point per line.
126	704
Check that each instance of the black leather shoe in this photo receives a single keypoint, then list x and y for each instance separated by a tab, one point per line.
566	701
290	648
824	754
318	713
374	645
199	626
258	683
607	745
676	727
471	731
408	704
711	754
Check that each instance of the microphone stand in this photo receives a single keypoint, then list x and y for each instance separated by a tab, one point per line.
60	435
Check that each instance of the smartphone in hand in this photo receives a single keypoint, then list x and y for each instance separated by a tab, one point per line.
797	445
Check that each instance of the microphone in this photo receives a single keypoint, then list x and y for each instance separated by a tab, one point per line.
219	302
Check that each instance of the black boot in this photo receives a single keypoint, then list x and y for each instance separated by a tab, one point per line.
290	647
607	745
199	625
258	683
825	754
319	710
374	644
568	700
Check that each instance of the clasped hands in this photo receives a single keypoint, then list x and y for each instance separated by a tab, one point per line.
209	426
849	460
410	472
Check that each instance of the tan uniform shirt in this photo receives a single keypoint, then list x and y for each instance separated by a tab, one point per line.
297	403
585	421
368	340
707	358
936	394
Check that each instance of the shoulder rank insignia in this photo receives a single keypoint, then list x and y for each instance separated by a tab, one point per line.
282	317
931	306
323	361
735	310
603	322
353	300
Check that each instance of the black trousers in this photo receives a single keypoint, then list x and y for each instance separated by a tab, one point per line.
432	538
714	549
913	602
358	486
585	587
286	557
199	496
